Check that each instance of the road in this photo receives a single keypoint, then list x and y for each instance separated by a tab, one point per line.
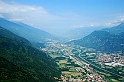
80	58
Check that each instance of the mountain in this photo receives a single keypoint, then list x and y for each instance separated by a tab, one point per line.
20	62
116	29
104	40
12	73
79	33
10	35
30	33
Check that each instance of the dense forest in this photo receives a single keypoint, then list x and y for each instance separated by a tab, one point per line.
20	62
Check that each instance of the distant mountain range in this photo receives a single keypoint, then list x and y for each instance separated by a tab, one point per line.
30	33
79	33
20	62
106	40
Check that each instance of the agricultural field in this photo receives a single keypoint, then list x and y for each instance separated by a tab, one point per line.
68	67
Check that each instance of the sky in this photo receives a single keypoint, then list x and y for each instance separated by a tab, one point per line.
58	16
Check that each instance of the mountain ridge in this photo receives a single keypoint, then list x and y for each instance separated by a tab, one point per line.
79	33
6	33
20	62
104	40
30	33
116	29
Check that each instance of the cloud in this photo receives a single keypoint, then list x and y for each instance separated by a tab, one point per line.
113	21
32	15
116	21
121	18
40	18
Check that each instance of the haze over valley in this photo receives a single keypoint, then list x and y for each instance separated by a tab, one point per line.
61	41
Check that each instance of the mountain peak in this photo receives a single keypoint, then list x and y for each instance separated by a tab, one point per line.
106	40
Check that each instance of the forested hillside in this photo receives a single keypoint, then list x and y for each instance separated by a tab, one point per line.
106	40
20	62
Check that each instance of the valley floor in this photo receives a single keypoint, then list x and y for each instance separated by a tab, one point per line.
80	64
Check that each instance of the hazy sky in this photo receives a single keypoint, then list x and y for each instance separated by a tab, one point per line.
61	15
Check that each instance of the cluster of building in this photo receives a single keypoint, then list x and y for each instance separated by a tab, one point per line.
90	75
71	79
114	59
93	77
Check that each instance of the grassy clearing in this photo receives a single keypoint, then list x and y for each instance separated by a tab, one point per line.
80	69
108	67
55	55
106	74
67	67
113	80
121	79
62	65
63	61
74	74
72	69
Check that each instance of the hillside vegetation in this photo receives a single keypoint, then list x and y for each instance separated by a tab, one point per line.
106	40
20	62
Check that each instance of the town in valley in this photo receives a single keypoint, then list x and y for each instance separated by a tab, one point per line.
81	64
